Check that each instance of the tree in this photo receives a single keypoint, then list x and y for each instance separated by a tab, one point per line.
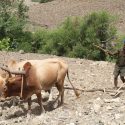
12	19
97	28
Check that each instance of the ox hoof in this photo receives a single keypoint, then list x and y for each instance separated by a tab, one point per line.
56	104
29	113
28	116
43	111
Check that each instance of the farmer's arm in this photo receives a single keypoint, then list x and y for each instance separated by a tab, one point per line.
112	54
106	51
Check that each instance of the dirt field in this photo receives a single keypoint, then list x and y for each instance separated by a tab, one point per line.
53	13
91	108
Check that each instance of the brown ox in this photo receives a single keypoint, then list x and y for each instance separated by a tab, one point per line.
14	65
50	72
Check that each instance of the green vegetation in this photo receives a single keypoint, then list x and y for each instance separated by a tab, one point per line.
42	1
45	1
76	36
35	0
12	20
73	38
4	44
96	29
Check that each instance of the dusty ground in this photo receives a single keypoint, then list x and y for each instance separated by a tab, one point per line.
91	108
53	13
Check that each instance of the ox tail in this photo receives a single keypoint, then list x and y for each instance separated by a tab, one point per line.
76	92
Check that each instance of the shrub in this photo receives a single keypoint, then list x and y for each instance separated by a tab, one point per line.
61	41
45	1
12	19
96	28
75	37
23	42
4	44
42	1
39	39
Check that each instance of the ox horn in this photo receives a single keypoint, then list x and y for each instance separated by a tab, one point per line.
5	68
12	71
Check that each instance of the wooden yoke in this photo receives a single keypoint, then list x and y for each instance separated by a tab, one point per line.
21	93
22	73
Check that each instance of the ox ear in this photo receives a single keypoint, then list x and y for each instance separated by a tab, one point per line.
27	66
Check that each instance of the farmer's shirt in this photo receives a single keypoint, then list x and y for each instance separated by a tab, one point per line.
120	58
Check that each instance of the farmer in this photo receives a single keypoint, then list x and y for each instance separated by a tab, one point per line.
119	68
120	65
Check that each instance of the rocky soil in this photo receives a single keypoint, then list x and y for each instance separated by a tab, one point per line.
91	108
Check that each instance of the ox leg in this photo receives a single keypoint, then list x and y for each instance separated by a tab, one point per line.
14	101
39	97
29	111
122	78
50	95
29	105
115	81
60	88
62	96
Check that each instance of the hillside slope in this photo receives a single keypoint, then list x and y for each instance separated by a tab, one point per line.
53	13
